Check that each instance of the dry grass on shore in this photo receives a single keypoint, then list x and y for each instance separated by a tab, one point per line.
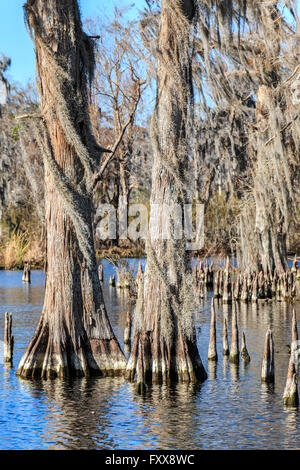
19	248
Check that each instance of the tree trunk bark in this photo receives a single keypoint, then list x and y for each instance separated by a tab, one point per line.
164	342
74	335
271	175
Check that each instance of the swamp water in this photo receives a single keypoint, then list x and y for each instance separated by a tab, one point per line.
230	410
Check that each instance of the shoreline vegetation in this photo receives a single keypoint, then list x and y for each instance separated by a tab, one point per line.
114	253
23	241
21	247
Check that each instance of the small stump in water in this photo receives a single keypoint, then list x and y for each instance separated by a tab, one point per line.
244	351
225	338
267	370
234	349
290	395
212	349
216	284
8	339
26	273
227	289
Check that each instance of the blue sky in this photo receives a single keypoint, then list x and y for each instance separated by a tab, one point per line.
16	43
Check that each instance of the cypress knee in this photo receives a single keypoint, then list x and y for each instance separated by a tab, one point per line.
211	274
201	289
227	266
254	289
225	338
274	285
279	289
244	352
237	288
234	349
216	283
212	349
290	394
249	286
140	385
206	273
8	339
227	294
26	273
268	370
284	289
244	293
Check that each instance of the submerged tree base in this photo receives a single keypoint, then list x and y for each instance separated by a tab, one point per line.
79	357
152	361
79	364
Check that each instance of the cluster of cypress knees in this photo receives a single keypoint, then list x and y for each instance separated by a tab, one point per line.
290	395
253	288
230	283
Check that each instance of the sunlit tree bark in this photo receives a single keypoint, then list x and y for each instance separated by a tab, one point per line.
164	344
74	335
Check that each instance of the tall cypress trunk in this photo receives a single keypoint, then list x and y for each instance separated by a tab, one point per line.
270	186
74	335
271	238
164	343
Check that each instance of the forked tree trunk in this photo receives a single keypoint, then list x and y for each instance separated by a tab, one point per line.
164	342
74	336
